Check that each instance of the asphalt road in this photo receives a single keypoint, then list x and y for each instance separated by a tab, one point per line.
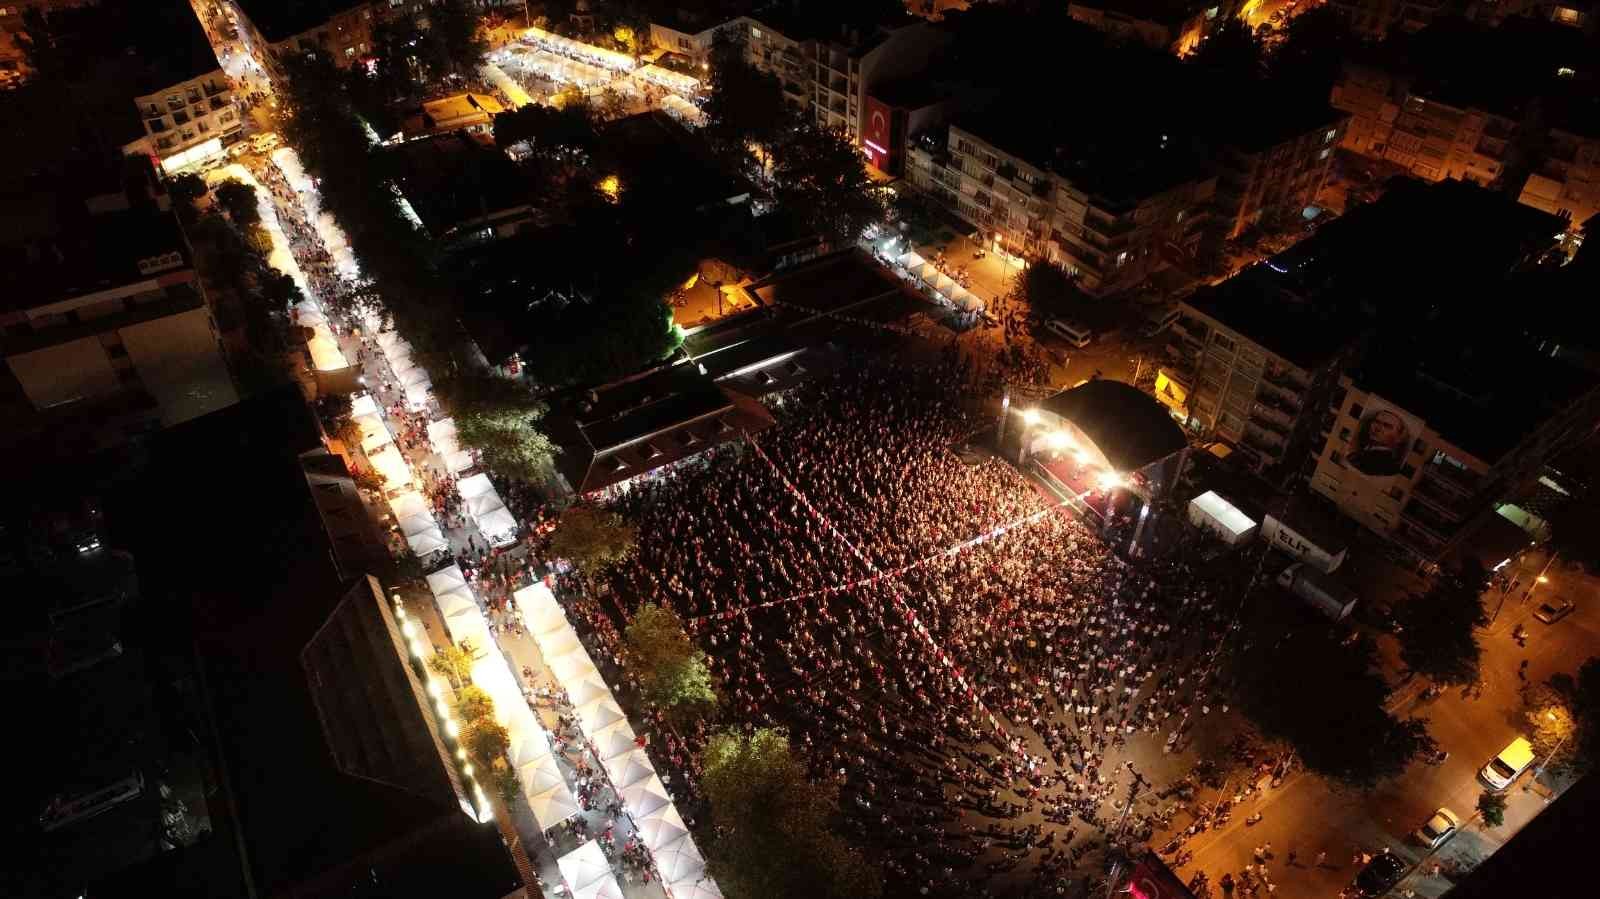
1309	815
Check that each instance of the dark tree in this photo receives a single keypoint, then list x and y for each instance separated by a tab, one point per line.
745	106
1232	53
1438	636
547	131
452	43
1312	51
40	46
1298	683
822	180
238	199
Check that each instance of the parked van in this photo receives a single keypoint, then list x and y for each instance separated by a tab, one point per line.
1158	320
1072	332
1504	769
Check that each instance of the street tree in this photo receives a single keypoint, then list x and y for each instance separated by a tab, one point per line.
1231	52
592	539
453	43
1438	636
1299	683
473	702
548	131
486	739
453	662
771	824
671	668
40	46
238	200
187	189
1049	291
498	417
821	178
744	106
1492	806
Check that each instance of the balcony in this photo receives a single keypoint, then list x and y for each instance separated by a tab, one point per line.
152	112
1272	420
1425	519
1459	481
1265	444
181	117
218	103
1280	396
174	104
1275	404
213	90
1285	380
1443	502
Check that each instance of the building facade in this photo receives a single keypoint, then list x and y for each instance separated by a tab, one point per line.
1419	477
340	30
1566	179
1394	119
1176	27
1274	181
190	120
1108	241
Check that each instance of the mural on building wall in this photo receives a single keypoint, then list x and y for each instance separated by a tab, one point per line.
1379	446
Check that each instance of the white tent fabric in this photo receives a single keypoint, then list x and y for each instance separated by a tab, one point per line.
288	162
587	872
442	434
662	827
512	90
1210	510
551	806
499	527
701	887
477	485
646	797
374	433
389	463
481	505
673	81
388	340
410	504
416	524
456	603
429	541
364	405
445	580
418	395
614	741
308	313
630	770
679	861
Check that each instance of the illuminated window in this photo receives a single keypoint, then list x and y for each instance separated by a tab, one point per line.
754	31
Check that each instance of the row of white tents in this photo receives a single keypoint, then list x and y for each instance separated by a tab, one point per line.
588	873
333	237
566	46
412	378
411	511
649	805
545	790
943	286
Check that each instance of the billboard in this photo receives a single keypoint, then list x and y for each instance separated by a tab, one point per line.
1382	438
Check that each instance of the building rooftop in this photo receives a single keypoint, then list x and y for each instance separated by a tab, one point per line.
258	587
910	93
1258	304
451	179
1482	391
651	151
279	20
49	255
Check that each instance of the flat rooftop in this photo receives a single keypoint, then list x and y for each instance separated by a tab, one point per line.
69	252
260	582
1257	304
1482	391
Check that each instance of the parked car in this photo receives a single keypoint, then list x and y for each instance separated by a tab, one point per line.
1504	769
1554	610
1380	875
1442	826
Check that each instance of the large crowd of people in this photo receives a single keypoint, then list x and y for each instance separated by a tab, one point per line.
974	698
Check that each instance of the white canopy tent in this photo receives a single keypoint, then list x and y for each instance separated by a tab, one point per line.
445	580
389	463
484	503
1210	511
663	827
587	872
700	887
418	395
677	82
477	485
442	434
428	541
499	527
364	405
602	56
502	82
410	504
679	861
374	434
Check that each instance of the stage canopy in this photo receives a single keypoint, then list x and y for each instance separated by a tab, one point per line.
1125	425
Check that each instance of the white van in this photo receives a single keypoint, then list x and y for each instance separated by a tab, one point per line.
1072	332
1158	320
1504	769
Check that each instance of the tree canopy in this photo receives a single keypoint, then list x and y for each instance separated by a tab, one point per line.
771	825
1438	636
743	104
497	417
238	199
592	538
1492	806
1298	683
821	178
672	669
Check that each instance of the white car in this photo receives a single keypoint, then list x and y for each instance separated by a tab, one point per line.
1442	826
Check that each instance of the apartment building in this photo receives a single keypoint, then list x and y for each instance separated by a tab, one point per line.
338	29
1255	360
104	317
1111	213
1425	439
1565	176
1270	170
831	68
189	121
1175	26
